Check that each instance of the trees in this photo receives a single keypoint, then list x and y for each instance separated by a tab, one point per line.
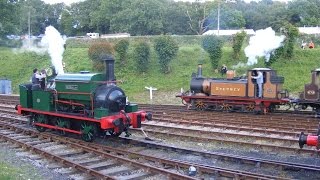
9	15
142	56
122	49
291	34
153	17
213	46
166	49
98	50
237	41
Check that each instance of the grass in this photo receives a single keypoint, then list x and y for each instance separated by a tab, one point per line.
7	172
18	68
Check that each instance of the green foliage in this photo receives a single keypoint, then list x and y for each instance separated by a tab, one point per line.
274	56
296	73
96	51
166	48
121	48
142	56
213	46
237	42
291	34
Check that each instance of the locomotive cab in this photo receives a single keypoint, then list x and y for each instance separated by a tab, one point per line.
311	91
271	87
310	96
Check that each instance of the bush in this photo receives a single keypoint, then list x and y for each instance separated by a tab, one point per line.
274	56
237	41
142	56
122	50
213	46
291	34
166	49
96	51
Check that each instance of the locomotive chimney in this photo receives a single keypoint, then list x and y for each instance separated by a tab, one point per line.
109	62
199	74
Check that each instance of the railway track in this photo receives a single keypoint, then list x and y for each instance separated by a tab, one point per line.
209	131
241	121
167	116
255	162
72	153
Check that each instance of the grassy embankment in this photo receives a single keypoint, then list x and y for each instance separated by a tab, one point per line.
18	68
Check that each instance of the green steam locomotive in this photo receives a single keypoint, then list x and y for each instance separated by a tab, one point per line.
88	104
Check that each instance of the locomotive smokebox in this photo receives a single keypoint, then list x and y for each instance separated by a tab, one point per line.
109	62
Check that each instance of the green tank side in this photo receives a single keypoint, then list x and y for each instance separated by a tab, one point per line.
77	86
25	95
42	100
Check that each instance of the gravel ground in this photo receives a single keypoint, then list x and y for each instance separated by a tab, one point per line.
214	147
27	164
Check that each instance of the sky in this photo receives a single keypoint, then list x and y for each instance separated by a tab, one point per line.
68	2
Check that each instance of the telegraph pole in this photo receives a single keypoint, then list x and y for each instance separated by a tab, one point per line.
218	28
29	30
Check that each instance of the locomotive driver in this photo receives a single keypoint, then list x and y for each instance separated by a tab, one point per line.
259	79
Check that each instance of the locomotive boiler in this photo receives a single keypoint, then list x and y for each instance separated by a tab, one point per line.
88	104
236	93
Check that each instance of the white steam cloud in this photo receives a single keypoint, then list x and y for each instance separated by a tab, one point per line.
54	43
262	44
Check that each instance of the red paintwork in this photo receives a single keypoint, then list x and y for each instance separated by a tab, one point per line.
58	114
230	98
105	122
234	100
55	127
312	140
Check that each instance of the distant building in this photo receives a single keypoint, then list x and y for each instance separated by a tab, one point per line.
118	35
229	32
309	30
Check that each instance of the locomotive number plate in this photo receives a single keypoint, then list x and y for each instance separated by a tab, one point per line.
311	92
72	87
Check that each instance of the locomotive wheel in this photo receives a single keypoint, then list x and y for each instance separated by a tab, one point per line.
40	118
226	107
63	124
250	107
272	108
88	131
114	134
200	105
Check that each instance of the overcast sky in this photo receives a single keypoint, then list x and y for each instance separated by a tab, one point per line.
68	2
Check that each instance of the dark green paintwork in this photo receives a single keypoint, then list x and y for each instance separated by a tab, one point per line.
100	112
25	96
131	108
78	83
42	100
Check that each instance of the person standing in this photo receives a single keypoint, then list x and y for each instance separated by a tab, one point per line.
223	69
43	75
35	79
259	80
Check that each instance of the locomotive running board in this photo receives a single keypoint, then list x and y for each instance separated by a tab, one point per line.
57	128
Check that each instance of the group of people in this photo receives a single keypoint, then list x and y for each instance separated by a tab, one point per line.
39	78
310	45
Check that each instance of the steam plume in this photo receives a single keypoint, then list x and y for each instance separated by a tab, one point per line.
54	42
262	44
